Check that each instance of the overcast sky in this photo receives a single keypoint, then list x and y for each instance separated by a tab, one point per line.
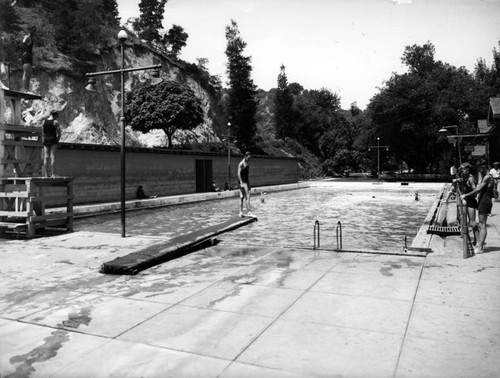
348	46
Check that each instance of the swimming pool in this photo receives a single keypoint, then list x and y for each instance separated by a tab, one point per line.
373	216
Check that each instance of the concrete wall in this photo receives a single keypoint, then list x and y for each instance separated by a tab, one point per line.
96	171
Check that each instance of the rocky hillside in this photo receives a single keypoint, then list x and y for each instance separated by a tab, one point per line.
94	117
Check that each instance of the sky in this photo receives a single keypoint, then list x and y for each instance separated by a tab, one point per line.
350	47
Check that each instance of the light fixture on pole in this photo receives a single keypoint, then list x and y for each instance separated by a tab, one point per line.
444	130
155	77
122	37
91	85
378	147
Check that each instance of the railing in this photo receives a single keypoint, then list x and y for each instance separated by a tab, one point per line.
338	232
316	233
339	236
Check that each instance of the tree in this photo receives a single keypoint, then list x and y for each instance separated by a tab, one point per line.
412	107
202	63
149	23
81	30
315	112
9	20
283	100
489	78
242	106
110	10
175	39
167	106
419	59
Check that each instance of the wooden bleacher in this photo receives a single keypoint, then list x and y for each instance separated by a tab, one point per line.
24	193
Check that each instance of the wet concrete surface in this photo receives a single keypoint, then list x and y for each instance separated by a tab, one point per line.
248	311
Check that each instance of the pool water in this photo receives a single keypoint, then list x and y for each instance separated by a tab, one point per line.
375	217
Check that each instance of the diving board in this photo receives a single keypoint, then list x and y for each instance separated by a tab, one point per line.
156	254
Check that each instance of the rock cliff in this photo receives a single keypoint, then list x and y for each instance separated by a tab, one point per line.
94	117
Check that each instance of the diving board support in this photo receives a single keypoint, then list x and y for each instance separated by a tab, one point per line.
24	194
20	145
23	201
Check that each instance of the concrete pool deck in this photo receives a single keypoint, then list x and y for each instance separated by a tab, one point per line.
248	311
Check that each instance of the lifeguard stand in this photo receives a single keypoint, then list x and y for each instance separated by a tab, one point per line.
23	189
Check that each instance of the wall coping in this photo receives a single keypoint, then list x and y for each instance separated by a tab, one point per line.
147	150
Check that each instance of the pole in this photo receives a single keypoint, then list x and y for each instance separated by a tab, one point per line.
378	147
122	37
378	159
122	119
458	148
229	155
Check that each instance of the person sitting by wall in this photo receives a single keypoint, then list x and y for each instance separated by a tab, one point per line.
214	187
140	194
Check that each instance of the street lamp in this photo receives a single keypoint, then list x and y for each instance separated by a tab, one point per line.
228	138
122	37
229	155
378	147
444	130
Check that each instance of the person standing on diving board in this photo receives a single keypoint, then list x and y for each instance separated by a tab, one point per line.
243	173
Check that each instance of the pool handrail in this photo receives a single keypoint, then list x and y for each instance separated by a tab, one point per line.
339	235
316	227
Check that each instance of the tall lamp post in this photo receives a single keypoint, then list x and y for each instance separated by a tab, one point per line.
378	147
122	37
228	137
229	155
444	130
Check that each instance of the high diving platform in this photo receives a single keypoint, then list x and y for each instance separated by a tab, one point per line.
24	192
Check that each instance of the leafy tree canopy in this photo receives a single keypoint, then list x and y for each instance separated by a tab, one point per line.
79	29
149	23
167	106
9	20
489	77
175	39
412	107
315	113
241	104
283	100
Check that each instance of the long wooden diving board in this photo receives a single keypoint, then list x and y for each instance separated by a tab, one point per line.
156	254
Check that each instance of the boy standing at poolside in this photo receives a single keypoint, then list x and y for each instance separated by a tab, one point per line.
243	173
51	135
484	191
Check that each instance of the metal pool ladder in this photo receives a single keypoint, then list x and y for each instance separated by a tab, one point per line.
316	235
338	234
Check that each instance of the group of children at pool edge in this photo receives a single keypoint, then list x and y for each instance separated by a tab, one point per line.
479	187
